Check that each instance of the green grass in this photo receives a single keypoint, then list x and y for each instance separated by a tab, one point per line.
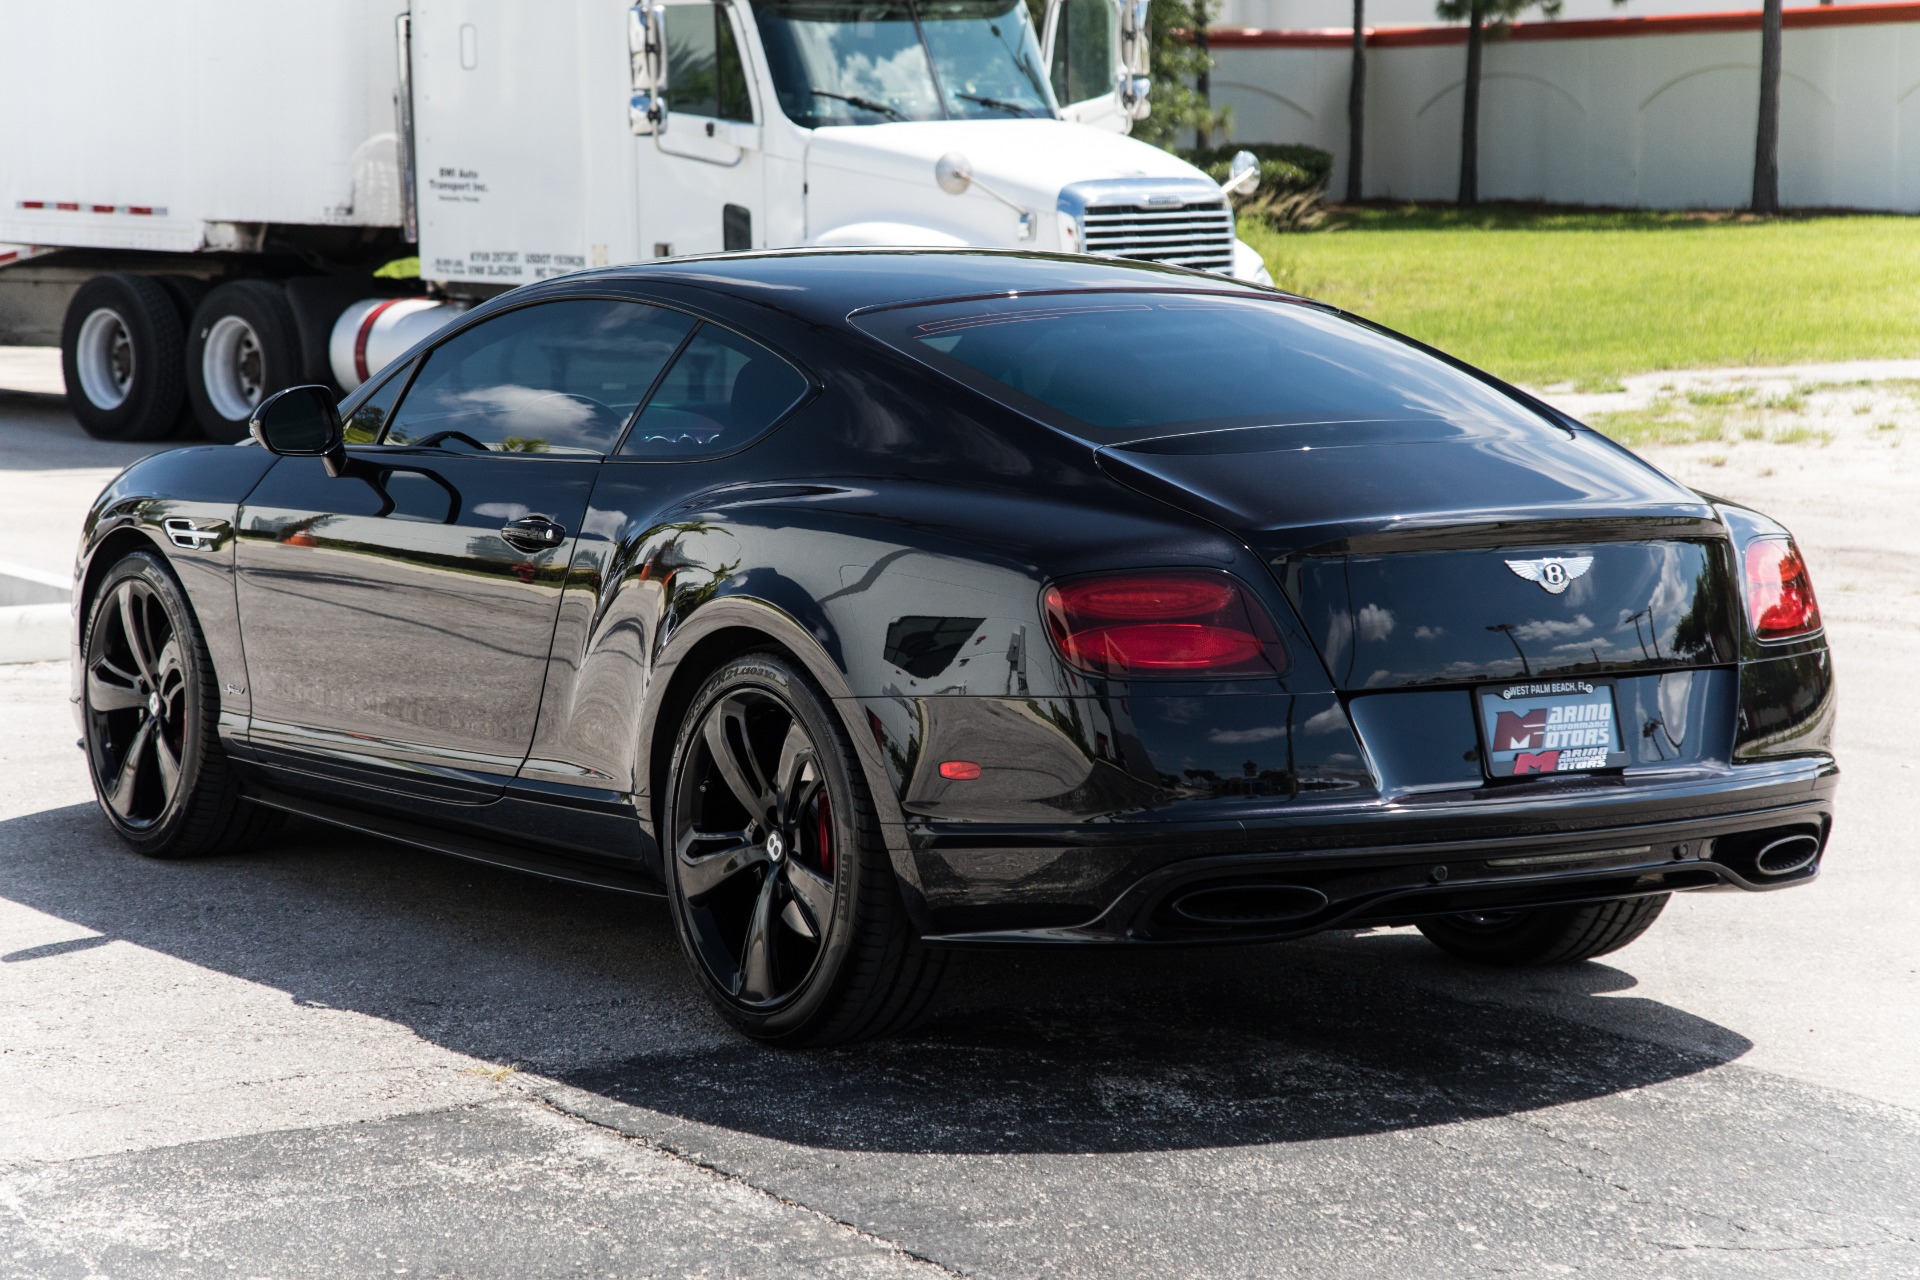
1715	416
1542	296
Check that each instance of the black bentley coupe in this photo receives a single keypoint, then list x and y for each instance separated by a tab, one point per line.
869	604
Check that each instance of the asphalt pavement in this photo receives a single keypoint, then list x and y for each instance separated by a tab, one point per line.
337	1057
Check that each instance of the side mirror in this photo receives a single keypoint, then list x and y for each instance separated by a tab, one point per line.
300	422
644	114
1243	177
1136	43
954	173
647	68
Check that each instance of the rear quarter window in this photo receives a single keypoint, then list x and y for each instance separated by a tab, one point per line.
722	391
1115	367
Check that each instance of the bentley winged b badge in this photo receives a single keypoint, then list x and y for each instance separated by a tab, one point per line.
1553	573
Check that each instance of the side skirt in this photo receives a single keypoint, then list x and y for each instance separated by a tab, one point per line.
546	863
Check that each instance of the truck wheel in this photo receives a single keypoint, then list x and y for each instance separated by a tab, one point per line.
120	349
1544	935
241	348
781	887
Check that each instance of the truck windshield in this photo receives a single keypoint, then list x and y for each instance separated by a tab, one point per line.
841	62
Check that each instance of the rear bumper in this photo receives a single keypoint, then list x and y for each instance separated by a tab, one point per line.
1291	874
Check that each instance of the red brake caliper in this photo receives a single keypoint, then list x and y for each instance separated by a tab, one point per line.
823	831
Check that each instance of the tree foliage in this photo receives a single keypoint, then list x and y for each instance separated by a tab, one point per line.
1495	15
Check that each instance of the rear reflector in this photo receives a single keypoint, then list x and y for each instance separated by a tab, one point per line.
1163	623
1780	603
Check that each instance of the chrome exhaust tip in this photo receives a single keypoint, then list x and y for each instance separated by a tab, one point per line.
1786	855
1771	853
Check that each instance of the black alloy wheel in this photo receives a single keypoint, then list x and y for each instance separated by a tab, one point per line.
149	712
136	704
1544	935
782	892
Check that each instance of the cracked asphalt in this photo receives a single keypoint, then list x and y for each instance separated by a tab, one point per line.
335	1057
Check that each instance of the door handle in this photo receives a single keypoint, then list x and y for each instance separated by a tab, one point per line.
533	533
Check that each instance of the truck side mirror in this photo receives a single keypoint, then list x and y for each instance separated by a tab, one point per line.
300	422
1136	43
1243	175
647	67
954	173
645	114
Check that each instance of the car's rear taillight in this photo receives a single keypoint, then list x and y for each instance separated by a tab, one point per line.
1167	622
1780	603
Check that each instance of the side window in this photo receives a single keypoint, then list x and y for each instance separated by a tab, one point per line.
705	74
366	422
721	393
1083	64
555	377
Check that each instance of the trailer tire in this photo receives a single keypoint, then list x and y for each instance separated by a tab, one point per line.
186	292
121	352
241	348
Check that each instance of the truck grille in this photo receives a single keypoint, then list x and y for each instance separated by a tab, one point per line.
1197	233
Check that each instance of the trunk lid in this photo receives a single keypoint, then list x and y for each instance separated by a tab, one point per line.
1417	551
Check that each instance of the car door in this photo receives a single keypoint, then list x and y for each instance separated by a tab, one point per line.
723	392
702	176
397	617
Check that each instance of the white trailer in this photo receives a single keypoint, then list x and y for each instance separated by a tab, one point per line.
193	196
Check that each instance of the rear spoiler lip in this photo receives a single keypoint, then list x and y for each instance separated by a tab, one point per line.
1495	530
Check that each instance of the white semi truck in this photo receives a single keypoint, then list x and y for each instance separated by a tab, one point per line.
194	193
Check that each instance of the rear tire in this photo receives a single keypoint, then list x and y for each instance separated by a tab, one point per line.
150	709
1546	935
242	347
782	889
120	351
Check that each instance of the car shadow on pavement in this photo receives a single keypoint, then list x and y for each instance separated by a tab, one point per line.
1057	1052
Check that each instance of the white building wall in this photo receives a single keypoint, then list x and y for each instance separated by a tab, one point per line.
1654	121
1297	15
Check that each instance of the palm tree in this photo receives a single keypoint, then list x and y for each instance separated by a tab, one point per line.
1357	102
1766	146
1483	17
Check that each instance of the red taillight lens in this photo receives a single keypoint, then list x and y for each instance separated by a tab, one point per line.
1163	624
1780	601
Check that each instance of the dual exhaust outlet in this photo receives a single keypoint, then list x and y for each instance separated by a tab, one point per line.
1756	855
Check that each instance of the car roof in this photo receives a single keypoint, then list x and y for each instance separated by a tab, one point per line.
826	285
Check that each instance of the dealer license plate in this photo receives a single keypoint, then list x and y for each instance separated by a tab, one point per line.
1550	726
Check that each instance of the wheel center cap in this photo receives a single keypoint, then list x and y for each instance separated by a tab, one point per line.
153	705
776	847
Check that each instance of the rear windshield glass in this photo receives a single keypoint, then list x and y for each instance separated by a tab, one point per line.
1128	366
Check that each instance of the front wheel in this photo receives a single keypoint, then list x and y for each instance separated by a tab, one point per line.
150	710
783	895
1544	935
